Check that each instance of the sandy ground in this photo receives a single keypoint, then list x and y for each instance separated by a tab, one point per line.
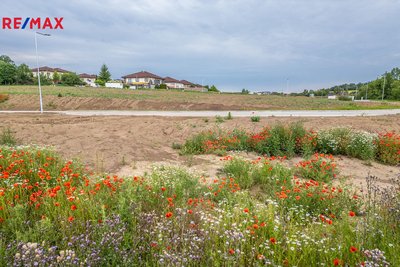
132	145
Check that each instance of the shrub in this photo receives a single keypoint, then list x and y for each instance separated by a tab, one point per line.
219	119
255	118
388	148
3	98
229	117
333	141
7	137
361	145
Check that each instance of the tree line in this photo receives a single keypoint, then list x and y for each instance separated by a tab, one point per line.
12	74
387	86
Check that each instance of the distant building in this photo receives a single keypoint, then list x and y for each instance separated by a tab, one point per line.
114	84
142	79
332	95
48	72
172	83
89	79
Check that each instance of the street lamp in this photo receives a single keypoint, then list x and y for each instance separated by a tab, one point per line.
38	71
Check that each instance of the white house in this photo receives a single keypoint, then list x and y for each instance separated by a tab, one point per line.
142	79
89	79
48	72
172	83
114	84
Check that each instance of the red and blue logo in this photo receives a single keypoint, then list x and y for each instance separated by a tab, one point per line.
19	23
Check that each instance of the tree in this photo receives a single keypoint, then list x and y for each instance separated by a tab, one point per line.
213	89
23	75
104	75
71	79
6	59
245	91
7	72
56	77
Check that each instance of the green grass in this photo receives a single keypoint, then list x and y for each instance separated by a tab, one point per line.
238	101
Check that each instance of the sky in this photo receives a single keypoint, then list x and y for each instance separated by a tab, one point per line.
260	45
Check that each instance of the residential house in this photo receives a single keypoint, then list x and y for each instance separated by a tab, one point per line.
89	79
142	79
172	83
187	84
48	72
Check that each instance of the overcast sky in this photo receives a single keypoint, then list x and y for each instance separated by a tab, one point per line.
234	44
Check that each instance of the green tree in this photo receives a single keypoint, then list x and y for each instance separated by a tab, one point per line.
23	75
245	91
7	72
43	80
104	74
6	59
56	77
71	79
213	89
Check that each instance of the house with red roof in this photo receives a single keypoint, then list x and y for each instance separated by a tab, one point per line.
48	71
89	79
172	83
142	79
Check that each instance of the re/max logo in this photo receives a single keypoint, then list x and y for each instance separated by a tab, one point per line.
32	23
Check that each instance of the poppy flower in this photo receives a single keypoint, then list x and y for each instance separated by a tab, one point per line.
353	249
168	215
231	251
352	214
190	211
71	218
336	262
73	207
272	240
246	210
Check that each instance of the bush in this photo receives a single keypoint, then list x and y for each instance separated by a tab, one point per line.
361	145
219	119
3	98
388	148
241	170
345	98
255	118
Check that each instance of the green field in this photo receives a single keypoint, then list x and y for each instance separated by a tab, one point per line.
207	101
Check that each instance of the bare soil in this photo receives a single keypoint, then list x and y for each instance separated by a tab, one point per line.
132	145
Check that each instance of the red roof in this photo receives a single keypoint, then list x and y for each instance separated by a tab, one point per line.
85	75
171	80
46	68
142	74
186	82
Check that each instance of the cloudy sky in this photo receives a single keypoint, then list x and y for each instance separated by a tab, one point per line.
234	44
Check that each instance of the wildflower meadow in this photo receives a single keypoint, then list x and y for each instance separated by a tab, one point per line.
56	212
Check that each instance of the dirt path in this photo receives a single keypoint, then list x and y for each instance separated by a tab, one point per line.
130	145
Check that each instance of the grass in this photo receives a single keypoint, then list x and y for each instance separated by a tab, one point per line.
7	137
238	101
54	212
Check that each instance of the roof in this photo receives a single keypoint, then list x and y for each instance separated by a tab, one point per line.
142	74
186	82
85	75
171	80
46	68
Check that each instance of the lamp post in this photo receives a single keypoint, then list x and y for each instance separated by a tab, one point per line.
38	71
383	87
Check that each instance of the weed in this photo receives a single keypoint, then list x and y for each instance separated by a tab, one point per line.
229	117
255	118
7	137
219	119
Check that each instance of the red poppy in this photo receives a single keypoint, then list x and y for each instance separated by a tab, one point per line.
73	207
353	249
71	218
190	211
336	262
169	214
231	251
352	214
272	240
246	210
163	189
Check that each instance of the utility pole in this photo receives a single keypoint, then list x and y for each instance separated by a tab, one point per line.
383	88
38	70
